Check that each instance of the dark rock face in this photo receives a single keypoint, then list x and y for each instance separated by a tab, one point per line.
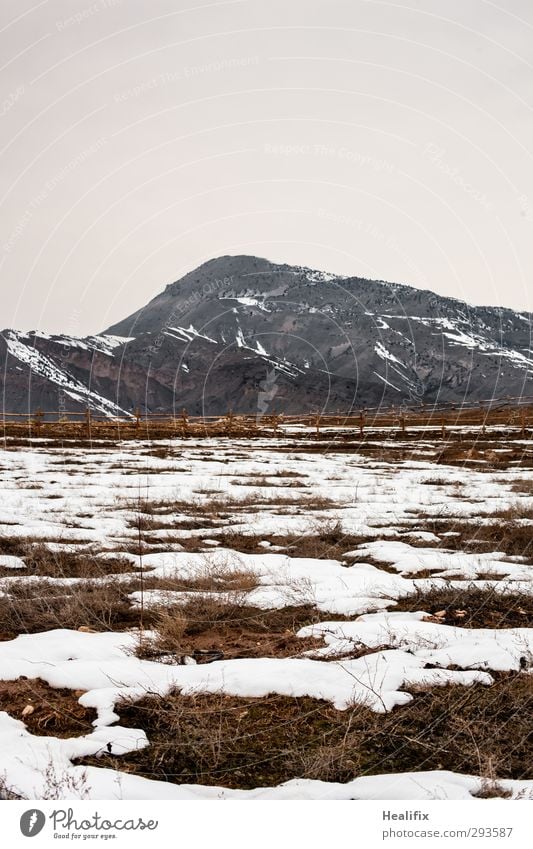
243	333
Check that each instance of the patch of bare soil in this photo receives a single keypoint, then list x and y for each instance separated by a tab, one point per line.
45	710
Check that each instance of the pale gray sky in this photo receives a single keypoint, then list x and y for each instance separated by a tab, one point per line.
142	137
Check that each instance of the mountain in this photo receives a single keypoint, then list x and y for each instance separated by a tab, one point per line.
244	333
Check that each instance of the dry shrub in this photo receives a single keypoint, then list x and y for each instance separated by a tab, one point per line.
218	594
169	628
206	612
70	564
60	784
491	789
325	540
211	577
437	482
225	578
7	792
239	541
14	546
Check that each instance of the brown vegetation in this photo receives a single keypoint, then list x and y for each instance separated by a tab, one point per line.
507	535
472	607
41	561
32	607
207	627
246	743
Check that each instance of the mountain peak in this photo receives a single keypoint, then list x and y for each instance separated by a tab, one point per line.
210	340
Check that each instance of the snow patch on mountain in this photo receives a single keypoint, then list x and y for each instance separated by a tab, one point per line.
43	366
106	343
382	352
314	276
247	301
467	337
187	334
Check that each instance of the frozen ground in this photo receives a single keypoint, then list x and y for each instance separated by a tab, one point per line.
187	521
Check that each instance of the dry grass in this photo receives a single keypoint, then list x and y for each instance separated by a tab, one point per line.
472	607
261	482
43	606
246	743
214	739
508	535
43	562
215	616
524	486
220	577
7	792
438	482
325	540
224	626
223	503
515	512
491	788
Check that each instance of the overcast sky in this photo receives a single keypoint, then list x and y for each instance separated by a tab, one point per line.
140	138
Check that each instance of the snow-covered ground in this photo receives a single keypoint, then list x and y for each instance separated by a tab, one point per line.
82	501
77	495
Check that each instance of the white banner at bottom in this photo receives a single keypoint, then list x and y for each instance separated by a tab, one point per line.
258	825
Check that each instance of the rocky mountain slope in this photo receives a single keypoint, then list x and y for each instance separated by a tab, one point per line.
241	332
